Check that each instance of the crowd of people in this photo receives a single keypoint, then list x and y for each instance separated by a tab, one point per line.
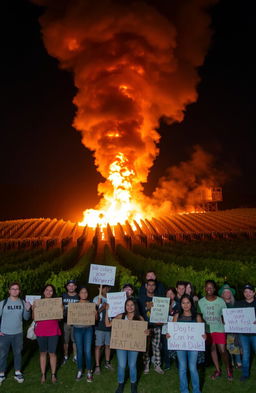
232	349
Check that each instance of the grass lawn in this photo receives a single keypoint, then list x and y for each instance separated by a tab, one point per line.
107	381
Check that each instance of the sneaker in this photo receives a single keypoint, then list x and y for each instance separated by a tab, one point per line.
65	359
146	369
243	378
19	377
79	375
158	370
216	374
108	366
2	378
97	370
74	359
229	374
89	377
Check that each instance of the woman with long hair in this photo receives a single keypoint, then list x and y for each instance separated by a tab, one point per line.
123	356
187	359
228	295
48	333
83	336
173	308
190	290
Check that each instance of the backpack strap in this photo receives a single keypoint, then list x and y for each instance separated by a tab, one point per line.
4	304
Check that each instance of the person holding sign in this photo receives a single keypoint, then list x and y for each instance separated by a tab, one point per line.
227	293
102	332
12	312
247	340
145	305
47	332
211	307
83	336
173	309
123	356
186	358
70	296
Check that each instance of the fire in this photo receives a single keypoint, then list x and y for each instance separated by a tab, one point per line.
133	64
118	203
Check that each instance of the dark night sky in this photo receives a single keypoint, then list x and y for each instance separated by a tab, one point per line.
46	171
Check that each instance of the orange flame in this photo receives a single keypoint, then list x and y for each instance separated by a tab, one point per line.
117	204
133	64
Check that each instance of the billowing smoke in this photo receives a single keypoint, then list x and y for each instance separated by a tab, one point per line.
132	65
186	185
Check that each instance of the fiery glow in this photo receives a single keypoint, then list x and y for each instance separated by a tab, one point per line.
133	64
117	204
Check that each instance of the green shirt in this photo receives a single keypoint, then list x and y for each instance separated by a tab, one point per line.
212	312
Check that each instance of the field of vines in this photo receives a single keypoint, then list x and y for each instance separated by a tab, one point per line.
233	261
195	261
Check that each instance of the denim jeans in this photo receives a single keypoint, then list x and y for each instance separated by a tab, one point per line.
83	339
122	357
16	342
247	341
165	352
188	359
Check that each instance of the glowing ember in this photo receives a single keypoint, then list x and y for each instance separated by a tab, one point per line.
117	204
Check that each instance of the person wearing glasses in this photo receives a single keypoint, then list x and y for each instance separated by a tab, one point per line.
12	312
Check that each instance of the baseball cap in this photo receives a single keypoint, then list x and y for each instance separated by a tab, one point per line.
70	282
249	286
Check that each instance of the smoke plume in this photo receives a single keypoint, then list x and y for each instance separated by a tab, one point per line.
132	65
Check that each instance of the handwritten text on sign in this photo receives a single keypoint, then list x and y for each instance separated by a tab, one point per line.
45	309
81	314
128	335
116	301
159	313
239	320
186	336
102	275
32	298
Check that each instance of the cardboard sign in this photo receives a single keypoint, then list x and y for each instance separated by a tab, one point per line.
128	335
239	320
186	336
159	313
102	275
45	309
81	314
31	298
116	301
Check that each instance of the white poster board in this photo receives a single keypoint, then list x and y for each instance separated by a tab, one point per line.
239	320
159	313
116	301
102	275
165	325
186	336
31	298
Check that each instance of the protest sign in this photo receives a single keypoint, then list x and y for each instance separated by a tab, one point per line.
165	325
31	298
128	335
239	320
81	314
102	275
159	313
116	301
186	336
45	309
